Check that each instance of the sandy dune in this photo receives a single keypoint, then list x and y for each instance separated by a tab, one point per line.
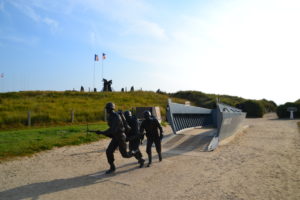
261	162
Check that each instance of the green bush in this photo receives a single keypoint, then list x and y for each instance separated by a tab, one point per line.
269	106
199	98
252	108
283	113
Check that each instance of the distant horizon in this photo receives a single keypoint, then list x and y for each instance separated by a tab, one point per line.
239	47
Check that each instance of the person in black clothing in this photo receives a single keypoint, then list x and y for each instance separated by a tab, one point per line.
151	125
134	137
116	132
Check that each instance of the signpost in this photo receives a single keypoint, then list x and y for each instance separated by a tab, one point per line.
292	110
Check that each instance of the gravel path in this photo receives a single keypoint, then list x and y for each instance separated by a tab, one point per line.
261	162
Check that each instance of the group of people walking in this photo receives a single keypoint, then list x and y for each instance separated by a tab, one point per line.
123	128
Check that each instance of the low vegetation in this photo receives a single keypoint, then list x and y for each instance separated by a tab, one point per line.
282	109
55	108
27	142
254	108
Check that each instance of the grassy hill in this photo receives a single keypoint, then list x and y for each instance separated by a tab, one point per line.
51	109
209	100
54	108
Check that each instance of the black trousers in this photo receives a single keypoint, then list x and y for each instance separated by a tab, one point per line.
157	143
134	146
113	145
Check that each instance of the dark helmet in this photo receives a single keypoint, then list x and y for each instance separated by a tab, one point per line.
127	114
147	114
110	106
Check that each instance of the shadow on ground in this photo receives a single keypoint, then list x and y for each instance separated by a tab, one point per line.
33	191
37	189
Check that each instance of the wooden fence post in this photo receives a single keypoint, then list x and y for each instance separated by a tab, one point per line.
29	118
72	116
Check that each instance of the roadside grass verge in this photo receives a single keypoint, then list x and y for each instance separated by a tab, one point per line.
29	141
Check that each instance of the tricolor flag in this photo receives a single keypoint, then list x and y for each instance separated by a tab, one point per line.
96	57
103	56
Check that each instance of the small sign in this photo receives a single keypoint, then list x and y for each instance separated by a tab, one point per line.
187	103
292	110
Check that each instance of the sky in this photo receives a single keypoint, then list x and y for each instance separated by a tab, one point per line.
245	48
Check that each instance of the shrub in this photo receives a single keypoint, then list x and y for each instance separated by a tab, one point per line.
252	108
283	113
199	98
269	106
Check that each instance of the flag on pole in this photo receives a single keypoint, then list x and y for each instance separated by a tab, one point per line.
103	56
2	75
96	57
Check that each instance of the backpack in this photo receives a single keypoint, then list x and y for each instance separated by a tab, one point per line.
124	122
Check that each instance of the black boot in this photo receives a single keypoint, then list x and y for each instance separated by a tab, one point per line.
111	170
141	162
150	160
159	157
138	155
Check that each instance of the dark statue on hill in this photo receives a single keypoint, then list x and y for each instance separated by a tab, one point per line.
107	85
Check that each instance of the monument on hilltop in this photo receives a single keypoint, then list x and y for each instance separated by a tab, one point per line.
107	85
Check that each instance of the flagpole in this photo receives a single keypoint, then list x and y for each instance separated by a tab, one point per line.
94	76
102	68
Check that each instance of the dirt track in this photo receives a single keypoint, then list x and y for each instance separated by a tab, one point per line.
262	162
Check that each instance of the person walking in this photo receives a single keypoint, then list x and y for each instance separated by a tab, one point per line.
152	126
134	137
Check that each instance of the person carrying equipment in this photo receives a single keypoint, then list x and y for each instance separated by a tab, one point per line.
116	133
134	137
151	126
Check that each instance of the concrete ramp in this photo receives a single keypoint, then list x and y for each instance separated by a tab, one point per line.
189	142
226	119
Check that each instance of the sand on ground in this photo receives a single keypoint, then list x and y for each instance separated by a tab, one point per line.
261	162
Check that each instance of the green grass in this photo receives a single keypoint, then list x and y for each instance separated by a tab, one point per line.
50	108
29	141
209	100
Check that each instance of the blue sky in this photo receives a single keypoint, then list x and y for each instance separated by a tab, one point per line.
236	47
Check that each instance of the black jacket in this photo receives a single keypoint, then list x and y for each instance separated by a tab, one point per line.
151	126
133	123
116	127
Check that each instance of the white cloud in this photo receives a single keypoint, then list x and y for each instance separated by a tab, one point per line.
30	12
130	16
27	10
1	6
52	23
17	39
241	49
146	28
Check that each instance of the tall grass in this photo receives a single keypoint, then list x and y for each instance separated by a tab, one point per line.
54	108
